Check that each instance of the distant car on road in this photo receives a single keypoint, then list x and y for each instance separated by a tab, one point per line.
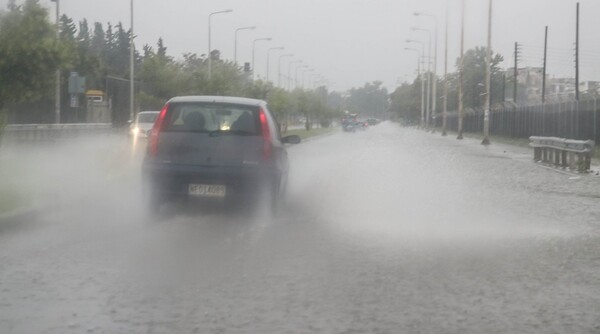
143	124
373	121
214	147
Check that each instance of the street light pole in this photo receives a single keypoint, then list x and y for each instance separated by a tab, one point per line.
268	56
296	75
279	67
488	80
419	59
289	72
429	81
131	71
235	42
254	49
435	53
304	74
57	92
461	74
445	112
209	37
422	125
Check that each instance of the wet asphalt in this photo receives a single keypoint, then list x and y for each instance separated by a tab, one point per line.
390	230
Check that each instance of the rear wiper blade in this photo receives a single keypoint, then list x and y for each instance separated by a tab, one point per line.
216	133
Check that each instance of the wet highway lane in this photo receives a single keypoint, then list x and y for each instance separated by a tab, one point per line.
385	231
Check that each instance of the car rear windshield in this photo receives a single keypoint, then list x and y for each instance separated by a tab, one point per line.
147	117
213	118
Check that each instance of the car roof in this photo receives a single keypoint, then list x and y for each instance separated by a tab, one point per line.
218	99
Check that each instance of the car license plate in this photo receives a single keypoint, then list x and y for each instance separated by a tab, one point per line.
207	190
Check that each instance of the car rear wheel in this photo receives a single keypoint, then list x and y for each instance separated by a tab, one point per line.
152	200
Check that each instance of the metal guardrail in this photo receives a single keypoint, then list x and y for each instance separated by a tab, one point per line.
565	153
35	133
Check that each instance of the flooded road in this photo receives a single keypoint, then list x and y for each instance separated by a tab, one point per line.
389	230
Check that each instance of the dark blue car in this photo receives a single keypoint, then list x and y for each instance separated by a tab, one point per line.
215	148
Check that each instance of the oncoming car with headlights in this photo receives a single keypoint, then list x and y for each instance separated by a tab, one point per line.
143	124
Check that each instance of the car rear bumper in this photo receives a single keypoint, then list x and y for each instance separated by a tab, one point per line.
172	180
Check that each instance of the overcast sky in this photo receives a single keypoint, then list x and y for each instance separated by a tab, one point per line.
351	42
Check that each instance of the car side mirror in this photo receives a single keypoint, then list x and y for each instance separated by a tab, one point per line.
293	139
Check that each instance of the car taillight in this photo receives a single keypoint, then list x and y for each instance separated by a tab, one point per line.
266	134
155	132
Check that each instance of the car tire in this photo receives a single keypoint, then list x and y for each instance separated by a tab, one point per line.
267	202
152	200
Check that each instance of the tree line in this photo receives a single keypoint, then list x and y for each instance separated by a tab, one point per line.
406	99
30	55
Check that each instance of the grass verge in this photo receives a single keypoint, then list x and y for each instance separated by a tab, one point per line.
521	142
12	196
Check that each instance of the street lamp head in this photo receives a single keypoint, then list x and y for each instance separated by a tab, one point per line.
220	12
262	39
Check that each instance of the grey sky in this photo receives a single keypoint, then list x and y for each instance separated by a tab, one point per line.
351	42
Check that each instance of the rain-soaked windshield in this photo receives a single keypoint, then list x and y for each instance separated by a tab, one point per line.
334	166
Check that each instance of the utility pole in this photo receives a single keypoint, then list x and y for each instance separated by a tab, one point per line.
434	81
428	112
488	80
57	93
445	111
503	87
516	73
461	110
544	83
577	55
422	94
544	70
131	71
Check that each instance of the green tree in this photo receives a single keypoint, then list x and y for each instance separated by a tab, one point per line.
406	102
161	78
29	53
280	105
369	100
474	77
98	42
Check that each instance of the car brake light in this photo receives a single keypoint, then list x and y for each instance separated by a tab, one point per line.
266	134
155	132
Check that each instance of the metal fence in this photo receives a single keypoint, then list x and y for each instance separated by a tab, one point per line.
570	119
39	133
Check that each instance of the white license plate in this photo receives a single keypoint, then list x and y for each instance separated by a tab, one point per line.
207	190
